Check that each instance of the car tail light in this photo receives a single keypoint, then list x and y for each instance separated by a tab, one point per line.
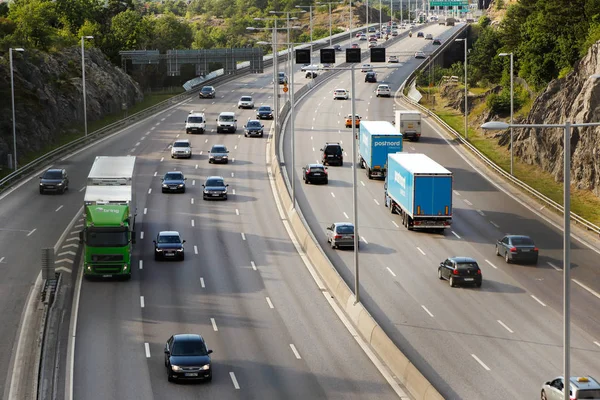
325	172
535	249
455	272
513	249
478	272
307	172
337	237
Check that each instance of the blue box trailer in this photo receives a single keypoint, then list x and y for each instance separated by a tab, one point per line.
420	190
377	140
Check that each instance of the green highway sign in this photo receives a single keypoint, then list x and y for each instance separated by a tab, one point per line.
449	3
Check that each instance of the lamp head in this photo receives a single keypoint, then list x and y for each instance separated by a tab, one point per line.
495	126
20	49
459	40
87	37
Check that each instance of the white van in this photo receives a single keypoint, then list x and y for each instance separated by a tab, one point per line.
226	122
195	123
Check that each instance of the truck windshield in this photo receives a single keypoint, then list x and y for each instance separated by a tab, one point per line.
226	118
195	120
98	237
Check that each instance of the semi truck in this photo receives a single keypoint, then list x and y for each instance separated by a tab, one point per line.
420	190
377	140
109	213
408	123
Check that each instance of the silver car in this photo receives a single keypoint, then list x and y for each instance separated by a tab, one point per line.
582	387
218	154
246	102
340	234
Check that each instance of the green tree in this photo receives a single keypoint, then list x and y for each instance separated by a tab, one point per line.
170	33
73	13
36	22
130	31
484	56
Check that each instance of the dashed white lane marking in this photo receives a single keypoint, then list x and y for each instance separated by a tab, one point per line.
505	327
132	150
253	265
237	212
2	259
157	124
295	351
364	240
233	159
232	174
467	202
542	208
193	222
597	343
493	266
149	190
192	200
33	230
155	173
194	182
232	191
195	249
235	147
480	362
391	272
269	302
376	202
422	252
214	325
138	143
243	236
553	266
71	239
456	193
234	380
141	234
332	194
346	215
362	183
394	222
142	301
147	348
481	213
455	234
196	167
538	300
141	263
82	189
495	224
202	282
313	149
587	288
427	311
162	159
61	206
145	211
206	141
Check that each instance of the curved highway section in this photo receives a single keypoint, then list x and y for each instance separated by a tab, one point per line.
497	342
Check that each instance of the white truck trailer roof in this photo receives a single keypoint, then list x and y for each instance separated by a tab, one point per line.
379	127
107	195
112	171
405	112
419	163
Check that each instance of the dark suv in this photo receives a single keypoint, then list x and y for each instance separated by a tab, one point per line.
458	270
332	154
371	77
54	180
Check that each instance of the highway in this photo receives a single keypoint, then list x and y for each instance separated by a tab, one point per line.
497	342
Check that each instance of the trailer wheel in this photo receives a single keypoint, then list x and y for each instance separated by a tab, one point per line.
408	224
369	173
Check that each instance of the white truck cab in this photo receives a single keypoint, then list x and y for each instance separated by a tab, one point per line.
195	122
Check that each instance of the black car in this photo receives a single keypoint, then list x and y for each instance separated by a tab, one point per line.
515	248
218	154
332	154
337	47
253	128
168	246
264	112
420	34
214	188
187	358
173	181
371	77
54	180
437	42
460	270
315	173
311	74
207	92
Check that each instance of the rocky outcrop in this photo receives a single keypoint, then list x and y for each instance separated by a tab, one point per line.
48	97
574	98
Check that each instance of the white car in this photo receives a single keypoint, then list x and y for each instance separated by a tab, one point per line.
383	90
311	67
366	68
363	37
392	59
246	102
340	94
420	54
181	149
372	44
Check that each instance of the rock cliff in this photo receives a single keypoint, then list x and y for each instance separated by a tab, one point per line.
49	100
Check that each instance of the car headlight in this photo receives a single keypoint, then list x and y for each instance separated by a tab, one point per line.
41	184
158	250
176	368
165	185
60	184
224	156
180	250
180	185
206	191
206	367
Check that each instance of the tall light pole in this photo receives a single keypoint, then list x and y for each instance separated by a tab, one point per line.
511	107
83	79
355	186
288	18
466	91
310	10
380	7
12	92
329	4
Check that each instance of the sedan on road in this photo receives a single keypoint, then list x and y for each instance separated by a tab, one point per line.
437	42
214	188
253	128
246	102
340	94
54	180
173	181
420	54
264	112
207	92
340	234
187	358
218	154
168	246
515	248
459	270
315	173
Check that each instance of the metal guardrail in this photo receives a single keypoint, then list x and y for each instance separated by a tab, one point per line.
540	196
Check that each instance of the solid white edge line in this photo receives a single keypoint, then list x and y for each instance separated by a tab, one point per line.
142	304
214	325
505	326
480	362
538	300
391	272
147	349
72	336
234	380
295	351
202	282
587	288
422	252
269	302
427	311
487	261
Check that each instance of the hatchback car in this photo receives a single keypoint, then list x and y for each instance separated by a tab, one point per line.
420	34
54	180
218	154
383	90
168	246
246	102
355	46
337	47
437	42
363	37
253	128
264	112
392	59
349	120
582	387
371	77
181	149
515	248
214	188
315	173
429	36
187	358
420	54
207	92
366	68
340	234
340	94
459	270
173	181
332	154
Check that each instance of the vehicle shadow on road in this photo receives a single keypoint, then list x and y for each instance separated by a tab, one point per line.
338	183
492	286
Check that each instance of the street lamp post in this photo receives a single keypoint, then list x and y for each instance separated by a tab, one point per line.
310	10
12	92
288	18
83	80
511	107
466	91
321	3
355	186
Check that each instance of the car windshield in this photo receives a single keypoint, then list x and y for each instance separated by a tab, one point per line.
214	182
345	229
253	124
169	239
466	266
98	237
206	89
246	99
316	169
218	149
588	394
181	144
52	175
265	108
172	176
189	348
227	118
195	120
521	241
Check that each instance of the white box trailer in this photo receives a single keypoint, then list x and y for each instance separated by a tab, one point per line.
111	171
408	123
